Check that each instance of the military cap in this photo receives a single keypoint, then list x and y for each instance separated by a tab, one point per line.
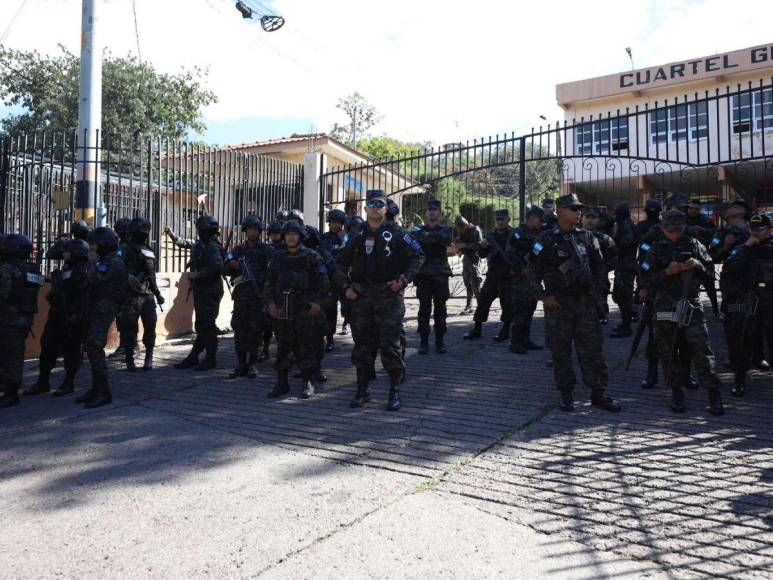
653	205
535	210
677	200
591	212
760	221
502	213
433	204
548	203
375	194
569	200
673	220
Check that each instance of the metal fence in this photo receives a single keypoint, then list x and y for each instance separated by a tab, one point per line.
712	146
169	182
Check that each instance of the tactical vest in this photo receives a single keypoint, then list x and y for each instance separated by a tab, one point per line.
377	256
26	282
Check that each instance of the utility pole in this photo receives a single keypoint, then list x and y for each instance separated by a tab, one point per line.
88	201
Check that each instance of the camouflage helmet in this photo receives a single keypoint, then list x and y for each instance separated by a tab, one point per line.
294	226
80	229
16	246
106	240
207	224
77	248
252	221
336	215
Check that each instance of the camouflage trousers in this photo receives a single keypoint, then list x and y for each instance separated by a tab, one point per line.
576	322
524	302
248	319
696	345
61	337
102	312
12	339
206	306
301	337
377	324
432	292
622	293
472	277
497	284
136	308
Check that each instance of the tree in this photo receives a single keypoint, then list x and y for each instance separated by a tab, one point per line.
362	116
384	147
136	98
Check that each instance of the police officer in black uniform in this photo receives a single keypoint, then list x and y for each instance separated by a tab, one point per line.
332	241
63	333
432	280
20	282
79	230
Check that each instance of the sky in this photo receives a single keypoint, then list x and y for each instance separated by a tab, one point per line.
437	70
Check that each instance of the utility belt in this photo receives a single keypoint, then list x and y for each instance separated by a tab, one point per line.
682	316
748	306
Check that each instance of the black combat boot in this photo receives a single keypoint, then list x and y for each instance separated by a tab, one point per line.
692	383
344	328
42	385
762	365
129	359
716	407
475	332
567	400
117	353
677	400
603	401
518	341
191	360
252	371
282	386
739	389
440	344
652	374
102	395
87	396
362	395
424	345
504	333
308	389
329	344
468	307
319	377
529	344
148	364
622	331
394	402
210	359
67	386
9	398
241	365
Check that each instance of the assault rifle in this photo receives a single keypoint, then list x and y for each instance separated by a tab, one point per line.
496	248
581	272
644	321
682	316
249	275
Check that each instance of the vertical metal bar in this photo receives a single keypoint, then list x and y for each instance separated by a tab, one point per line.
522	179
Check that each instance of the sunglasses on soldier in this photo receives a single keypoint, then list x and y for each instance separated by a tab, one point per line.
375	204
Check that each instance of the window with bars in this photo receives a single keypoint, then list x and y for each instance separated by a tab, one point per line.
676	123
595	138
753	109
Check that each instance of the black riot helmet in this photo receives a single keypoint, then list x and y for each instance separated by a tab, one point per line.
121	227
252	221
80	230
354	224
652	207
393	210
15	246
79	249
275	227
207	226
282	215
139	229
294	226
105	239
622	211
297	215
336	215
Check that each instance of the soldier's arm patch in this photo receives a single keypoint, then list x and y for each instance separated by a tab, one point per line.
102	267
715	241
645	266
148	253
538	247
411	243
645	247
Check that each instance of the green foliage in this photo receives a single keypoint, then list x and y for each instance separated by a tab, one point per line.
384	147
136	99
361	117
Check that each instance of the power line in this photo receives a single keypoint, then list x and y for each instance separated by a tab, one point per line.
13	20
136	29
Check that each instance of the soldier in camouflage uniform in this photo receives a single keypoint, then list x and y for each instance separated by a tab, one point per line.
499	280
590	222
65	325
626	244
468	244
206	279
249	320
747	293
374	268
121	227
674	269
20	282
524	301
332	241
353	225
142	294
275	235
107	282
297	283
549	218
432	280
569	261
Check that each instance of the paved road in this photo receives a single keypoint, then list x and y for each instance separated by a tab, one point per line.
191	475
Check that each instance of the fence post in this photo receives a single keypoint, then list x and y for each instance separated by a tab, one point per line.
313	168
522	178
5	155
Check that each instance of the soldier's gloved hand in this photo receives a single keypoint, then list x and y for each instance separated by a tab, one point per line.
273	311
160	299
550	303
314	309
350	294
673	269
396	285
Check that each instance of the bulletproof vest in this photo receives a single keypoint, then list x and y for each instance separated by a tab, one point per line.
435	253
110	278
376	256
471	236
666	252
294	271
565	274
258	256
26	282
202	256
332	243
496	263
67	286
